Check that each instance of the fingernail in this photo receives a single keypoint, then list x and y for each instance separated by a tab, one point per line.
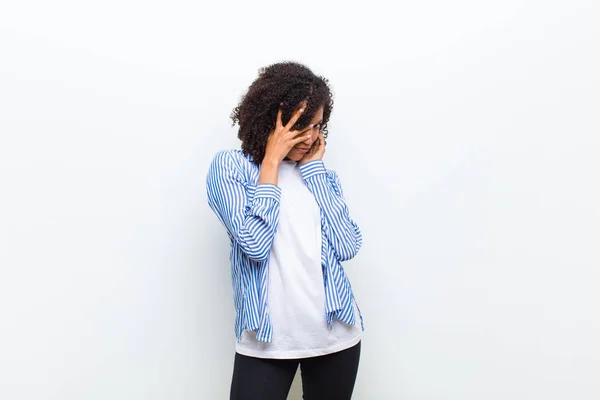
281	103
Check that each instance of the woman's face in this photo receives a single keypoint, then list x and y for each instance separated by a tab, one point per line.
298	151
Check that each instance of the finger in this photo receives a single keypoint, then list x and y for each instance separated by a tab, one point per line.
278	123
300	132
321	144
299	139
295	117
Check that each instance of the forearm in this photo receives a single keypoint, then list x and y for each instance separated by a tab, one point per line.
344	234
253	229
257	230
251	223
269	172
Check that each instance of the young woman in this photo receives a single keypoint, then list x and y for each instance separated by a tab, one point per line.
290	229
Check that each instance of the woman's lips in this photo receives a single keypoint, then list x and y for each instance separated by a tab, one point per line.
303	149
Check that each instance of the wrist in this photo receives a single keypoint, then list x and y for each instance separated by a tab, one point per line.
306	160
312	168
270	162
269	171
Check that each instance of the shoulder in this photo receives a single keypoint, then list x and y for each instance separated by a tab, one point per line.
232	163
227	156
231	158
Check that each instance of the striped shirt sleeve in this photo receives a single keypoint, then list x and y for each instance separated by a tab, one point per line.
344	234
252	224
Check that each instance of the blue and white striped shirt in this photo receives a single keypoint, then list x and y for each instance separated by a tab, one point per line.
250	211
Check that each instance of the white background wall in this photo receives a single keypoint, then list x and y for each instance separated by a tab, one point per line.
466	135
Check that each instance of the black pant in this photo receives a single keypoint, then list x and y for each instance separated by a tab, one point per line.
328	377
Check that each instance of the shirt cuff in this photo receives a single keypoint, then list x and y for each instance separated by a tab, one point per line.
268	190
312	168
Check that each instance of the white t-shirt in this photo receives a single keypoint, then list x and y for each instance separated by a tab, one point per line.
296	295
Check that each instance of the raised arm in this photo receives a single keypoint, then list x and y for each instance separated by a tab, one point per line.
343	233
251	224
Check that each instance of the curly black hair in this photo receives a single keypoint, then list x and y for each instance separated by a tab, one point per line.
283	85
